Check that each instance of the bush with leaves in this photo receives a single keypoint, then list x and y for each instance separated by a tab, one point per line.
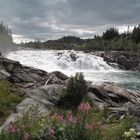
75	92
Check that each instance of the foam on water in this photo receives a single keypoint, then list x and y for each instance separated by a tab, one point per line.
60	60
93	67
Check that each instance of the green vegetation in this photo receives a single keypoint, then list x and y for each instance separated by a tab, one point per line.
76	91
110	34
10	96
110	40
85	124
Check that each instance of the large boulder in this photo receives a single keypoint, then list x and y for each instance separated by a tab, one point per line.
28	103
49	94
113	94
44	99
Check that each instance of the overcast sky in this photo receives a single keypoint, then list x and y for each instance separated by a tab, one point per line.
51	19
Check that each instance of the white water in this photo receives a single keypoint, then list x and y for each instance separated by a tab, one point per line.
93	67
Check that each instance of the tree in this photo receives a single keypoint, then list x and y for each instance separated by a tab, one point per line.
110	34
135	36
75	92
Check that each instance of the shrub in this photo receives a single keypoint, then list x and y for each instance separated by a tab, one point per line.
75	92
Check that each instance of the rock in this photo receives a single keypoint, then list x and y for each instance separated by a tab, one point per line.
119	111
61	75
96	101
73	57
3	74
102	54
8	64
23	76
47	95
23	107
134	110
127	63
109	59
119	99
27	103
121	95
99	92
124	59
94	97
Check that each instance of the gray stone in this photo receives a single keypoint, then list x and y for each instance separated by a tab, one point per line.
3	74
47	94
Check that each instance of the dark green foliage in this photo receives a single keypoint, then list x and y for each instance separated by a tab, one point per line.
135	36
75	92
110	34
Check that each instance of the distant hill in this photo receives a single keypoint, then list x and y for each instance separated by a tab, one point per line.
66	42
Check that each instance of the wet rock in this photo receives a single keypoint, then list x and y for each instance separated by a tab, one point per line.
73	57
109	59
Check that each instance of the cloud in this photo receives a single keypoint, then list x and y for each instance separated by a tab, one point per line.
51	19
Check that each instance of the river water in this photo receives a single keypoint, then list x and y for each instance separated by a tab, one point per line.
92	66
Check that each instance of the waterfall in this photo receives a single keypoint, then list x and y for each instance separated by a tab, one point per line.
93	67
61	60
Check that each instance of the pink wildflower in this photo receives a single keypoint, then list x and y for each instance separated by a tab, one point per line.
84	107
70	117
88	126
52	131
11	128
26	136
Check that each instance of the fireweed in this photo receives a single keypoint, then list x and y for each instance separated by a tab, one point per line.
58	126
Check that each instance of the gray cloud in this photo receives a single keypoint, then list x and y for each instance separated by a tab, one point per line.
49	19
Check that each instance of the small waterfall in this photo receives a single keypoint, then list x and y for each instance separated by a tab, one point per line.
61	60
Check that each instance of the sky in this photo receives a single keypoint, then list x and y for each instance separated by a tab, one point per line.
52	19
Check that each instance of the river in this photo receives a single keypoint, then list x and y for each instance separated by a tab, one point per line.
93	67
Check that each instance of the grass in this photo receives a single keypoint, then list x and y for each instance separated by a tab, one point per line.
10	96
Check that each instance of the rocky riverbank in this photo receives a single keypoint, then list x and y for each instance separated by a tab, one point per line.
44	90
125	60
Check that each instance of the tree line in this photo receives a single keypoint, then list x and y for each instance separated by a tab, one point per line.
111	39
